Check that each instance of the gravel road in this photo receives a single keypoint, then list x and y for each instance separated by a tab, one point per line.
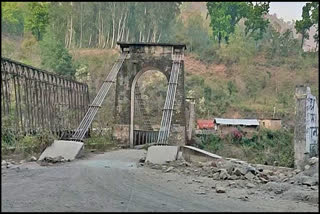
113	181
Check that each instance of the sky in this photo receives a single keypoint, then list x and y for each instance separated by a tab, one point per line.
287	10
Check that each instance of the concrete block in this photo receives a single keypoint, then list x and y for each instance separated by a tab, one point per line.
194	154
67	149
161	154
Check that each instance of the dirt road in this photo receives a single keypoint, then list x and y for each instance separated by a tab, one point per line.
113	181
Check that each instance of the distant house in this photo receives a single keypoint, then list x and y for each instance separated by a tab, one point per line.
205	124
273	124
225	126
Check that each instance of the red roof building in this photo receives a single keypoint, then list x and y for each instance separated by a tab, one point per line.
205	124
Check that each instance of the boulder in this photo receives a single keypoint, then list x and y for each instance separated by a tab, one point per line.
215	176
306	167
263	180
249	176
223	174
239	171
169	169
252	170
3	163
313	160
233	177
220	189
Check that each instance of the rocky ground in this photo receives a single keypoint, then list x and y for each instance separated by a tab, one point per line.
119	181
248	181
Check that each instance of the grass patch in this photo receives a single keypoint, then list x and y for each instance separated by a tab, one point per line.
24	146
265	147
100	143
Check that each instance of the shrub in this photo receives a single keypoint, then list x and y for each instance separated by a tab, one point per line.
211	143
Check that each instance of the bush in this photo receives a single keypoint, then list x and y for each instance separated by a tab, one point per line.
211	143
269	146
54	56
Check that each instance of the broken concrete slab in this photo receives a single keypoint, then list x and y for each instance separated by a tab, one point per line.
162	154
194	154
69	150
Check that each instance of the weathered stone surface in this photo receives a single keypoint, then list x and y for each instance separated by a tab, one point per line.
67	149
215	176
277	188
239	171
220	188
252	170
250	185
249	176
169	169
223	174
273	178
161	154
306	167
3	163
313	160
33	158
140	60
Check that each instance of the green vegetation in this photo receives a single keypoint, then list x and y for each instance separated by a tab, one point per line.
55	56
266	147
238	62
100	142
226	15
25	145
37	18
308	20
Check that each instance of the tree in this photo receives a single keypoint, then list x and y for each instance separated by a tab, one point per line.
315	19
54	56
37	19
224	16
303	26
255	23
12	21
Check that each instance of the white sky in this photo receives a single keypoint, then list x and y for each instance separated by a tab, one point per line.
287	10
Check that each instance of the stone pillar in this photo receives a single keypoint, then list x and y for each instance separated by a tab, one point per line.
306	126
190	116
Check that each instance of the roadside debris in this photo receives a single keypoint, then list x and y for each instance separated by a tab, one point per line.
232	173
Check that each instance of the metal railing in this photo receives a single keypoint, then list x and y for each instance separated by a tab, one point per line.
33	100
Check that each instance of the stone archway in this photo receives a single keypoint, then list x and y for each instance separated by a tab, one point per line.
141	58
132	99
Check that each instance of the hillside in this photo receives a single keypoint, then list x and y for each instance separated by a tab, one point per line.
244	78
278	81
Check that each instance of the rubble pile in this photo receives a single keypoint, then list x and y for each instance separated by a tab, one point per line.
49	160
239	174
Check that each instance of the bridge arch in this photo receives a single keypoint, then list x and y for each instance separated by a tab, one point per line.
132	96
144	57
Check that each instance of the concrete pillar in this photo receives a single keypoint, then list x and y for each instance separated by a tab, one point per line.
306	126
190	117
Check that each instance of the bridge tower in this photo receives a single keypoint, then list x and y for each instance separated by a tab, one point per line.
142	57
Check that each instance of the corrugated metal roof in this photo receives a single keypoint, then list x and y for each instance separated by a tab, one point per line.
244	122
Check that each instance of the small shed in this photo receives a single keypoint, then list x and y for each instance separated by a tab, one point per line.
273	124
205	124
227	125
